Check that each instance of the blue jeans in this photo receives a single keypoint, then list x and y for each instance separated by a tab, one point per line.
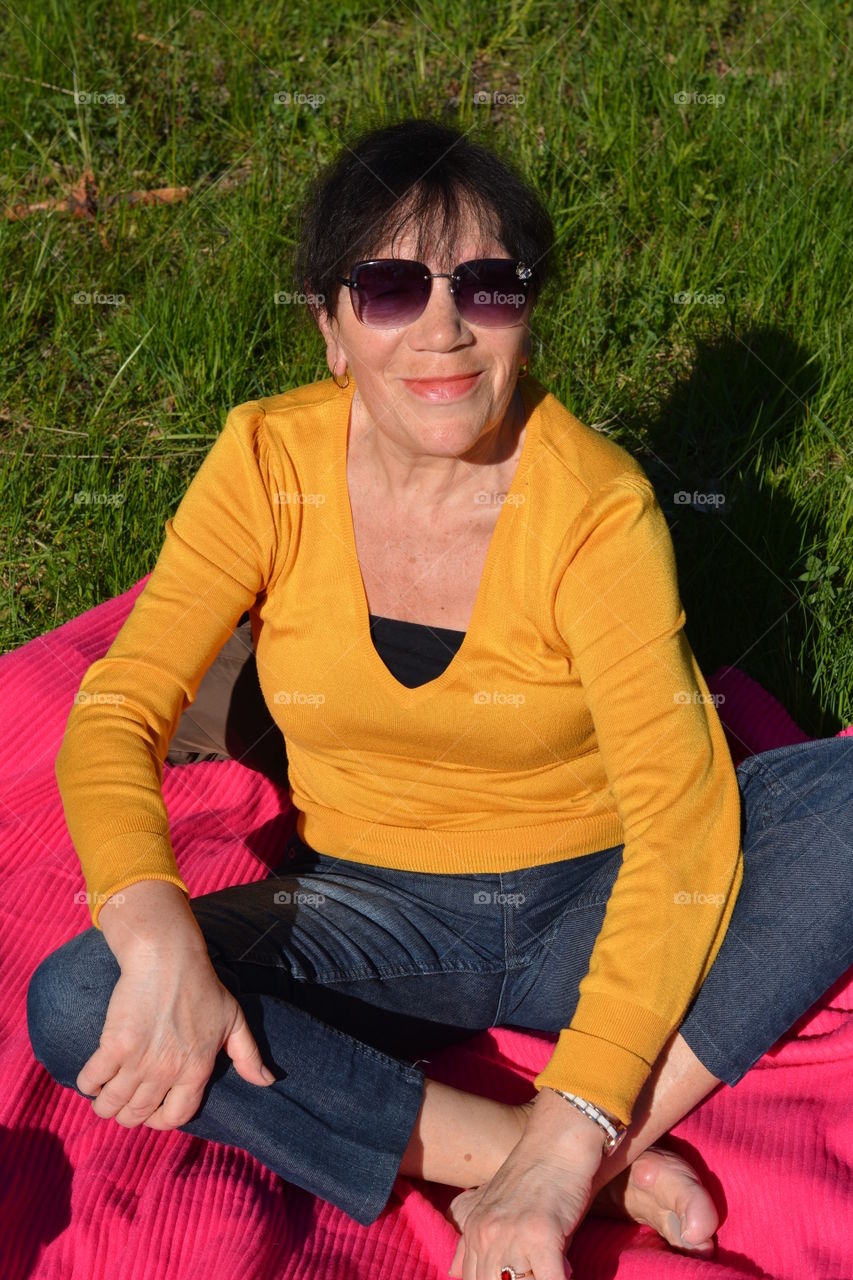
349	975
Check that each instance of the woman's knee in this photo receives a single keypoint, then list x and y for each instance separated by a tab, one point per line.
67	999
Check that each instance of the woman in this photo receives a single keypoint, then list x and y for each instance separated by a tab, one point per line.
523	813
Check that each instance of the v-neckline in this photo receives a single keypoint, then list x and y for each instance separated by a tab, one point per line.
405	695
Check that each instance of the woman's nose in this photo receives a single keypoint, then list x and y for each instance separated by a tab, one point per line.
440	314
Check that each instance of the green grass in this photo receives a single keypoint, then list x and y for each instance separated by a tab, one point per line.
745	201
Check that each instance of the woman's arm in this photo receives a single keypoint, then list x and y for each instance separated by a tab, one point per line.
229	718
618	611
221	551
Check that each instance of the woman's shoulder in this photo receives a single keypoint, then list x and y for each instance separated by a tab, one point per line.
579	457
310	396
290	423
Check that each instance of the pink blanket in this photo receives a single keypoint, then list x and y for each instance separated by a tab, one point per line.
84	1198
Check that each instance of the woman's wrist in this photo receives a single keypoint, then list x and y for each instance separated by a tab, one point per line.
568	1130
608	1115
149	915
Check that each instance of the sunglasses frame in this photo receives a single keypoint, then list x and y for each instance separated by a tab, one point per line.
523	272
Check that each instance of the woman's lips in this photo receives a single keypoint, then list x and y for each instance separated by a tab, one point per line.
442	388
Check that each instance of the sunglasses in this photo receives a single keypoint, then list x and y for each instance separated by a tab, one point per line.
389	292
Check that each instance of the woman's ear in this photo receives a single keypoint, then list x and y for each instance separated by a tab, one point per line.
335	355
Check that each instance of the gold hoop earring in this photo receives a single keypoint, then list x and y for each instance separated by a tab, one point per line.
342	385
523	370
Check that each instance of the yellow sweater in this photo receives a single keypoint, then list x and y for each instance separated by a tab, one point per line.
573	717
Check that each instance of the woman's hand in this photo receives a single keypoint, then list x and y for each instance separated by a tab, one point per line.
525	1215
168	1017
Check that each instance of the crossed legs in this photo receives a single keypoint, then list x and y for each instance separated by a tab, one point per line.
462	1139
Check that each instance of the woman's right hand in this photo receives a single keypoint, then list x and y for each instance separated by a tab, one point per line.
168	1017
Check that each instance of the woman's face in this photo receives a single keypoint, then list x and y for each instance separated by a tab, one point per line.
433	418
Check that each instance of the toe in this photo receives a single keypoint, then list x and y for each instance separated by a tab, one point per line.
674	1231
670	1197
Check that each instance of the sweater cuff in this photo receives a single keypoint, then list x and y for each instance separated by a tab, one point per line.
591	1057
601	1072
125	860
96	904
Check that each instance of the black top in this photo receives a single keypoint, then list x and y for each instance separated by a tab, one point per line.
412	652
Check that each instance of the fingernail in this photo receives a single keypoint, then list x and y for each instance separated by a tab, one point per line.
268	1075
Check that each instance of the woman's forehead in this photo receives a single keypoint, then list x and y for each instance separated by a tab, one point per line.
428	241
440	257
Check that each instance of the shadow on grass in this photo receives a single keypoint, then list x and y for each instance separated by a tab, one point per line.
720	432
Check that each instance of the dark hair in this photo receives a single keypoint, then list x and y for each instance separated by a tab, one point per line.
414	171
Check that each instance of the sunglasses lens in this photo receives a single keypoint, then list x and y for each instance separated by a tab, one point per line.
393	292
390	293
490	293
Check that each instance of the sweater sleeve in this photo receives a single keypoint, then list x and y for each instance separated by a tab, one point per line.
220	551
618	610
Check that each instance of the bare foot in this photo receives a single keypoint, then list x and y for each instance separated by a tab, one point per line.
661	1190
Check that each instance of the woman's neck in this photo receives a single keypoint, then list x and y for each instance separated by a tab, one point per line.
392	474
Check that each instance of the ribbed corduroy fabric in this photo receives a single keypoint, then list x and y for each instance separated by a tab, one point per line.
574	716
85	1199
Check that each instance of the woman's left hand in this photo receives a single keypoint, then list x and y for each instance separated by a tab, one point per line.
525	1215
